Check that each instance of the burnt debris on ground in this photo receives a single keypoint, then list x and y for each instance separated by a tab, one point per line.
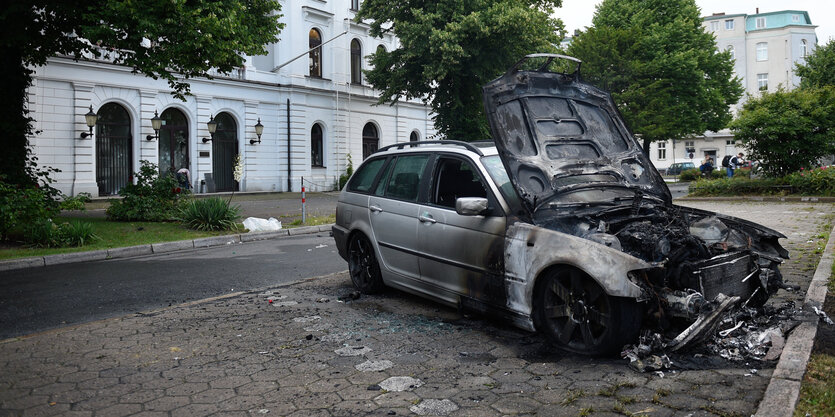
744	337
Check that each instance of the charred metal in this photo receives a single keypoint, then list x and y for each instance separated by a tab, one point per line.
581	174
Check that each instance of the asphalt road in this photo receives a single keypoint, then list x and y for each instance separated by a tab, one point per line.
38	299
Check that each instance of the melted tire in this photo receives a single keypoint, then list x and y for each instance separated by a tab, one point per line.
363	266
574	313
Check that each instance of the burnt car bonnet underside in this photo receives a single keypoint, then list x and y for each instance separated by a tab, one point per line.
556	134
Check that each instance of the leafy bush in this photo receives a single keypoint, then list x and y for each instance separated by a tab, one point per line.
24	206
739	186
209	214
343	179
690	175
77	202
695	174
77	233
153	198
816	181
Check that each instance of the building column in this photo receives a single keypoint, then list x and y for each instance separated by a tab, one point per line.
203	163
148	150
84	164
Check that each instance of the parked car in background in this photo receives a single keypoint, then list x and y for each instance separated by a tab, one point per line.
561	225
678	167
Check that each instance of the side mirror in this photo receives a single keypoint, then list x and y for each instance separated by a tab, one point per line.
471	206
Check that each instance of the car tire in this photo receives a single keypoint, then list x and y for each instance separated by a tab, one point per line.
363	266
573	312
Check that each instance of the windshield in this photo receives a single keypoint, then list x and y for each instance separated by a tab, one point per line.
499	175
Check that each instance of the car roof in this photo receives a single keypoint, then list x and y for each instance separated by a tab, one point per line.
478	149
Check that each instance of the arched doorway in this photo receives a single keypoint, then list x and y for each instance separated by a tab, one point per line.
413	137
370	140
173	142
224	151
114	154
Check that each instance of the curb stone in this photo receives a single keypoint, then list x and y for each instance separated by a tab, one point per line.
783	392
154	248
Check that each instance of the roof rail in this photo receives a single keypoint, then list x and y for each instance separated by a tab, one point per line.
401	145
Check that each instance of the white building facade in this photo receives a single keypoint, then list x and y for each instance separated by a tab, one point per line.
315	111
765	47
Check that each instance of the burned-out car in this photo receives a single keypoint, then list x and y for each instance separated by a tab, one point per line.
561	224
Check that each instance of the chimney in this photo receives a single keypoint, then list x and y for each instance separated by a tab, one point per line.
758	10
719	14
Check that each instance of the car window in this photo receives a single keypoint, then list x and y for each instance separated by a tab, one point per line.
403	180
499	174
456	178
364	177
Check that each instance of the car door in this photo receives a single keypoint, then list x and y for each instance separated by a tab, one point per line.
460	255
393	211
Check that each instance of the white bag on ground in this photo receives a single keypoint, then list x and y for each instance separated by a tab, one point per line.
255	224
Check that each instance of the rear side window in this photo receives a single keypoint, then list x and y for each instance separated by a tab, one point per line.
403	181
363	179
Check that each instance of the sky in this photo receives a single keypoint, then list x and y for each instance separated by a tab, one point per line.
577	14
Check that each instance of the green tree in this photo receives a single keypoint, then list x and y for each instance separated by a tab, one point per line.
173	40
819	69
663	70
788	130
448	49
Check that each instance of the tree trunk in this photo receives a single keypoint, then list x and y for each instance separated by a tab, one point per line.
15	123
646	146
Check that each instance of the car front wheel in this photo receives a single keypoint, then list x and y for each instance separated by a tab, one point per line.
573	312
363	266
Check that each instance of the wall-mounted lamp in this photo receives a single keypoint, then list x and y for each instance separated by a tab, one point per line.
156	124
212	125
91	119
259	129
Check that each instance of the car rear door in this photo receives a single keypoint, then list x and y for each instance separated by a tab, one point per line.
393	210
460	255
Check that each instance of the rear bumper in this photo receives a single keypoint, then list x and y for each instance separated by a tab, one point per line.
340	237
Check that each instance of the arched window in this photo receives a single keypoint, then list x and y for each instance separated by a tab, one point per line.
317	149
356	62
413	137
173	142
224	151
314	41
804	48
370	140
114	153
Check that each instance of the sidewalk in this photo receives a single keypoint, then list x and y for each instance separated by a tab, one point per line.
286	207
314	350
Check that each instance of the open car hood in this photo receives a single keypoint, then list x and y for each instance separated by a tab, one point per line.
563	141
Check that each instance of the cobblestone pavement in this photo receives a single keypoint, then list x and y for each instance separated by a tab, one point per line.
308	353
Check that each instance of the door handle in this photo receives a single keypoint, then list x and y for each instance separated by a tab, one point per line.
426	219
375	209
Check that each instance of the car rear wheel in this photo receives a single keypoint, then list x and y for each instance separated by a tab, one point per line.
363	266
574	312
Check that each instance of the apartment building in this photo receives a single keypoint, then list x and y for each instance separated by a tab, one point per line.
765	47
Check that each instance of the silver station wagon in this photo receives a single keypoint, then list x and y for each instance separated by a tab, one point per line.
560	225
